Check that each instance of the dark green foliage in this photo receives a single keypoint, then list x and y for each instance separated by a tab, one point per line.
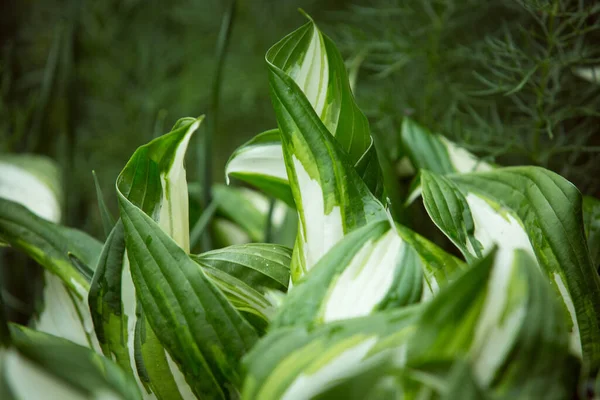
499	77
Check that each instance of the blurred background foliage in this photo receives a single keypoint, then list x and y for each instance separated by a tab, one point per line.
86	82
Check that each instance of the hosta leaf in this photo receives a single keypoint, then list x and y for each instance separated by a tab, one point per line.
249	276
201	330
69	256
591	223
300	363
154	180
41	366
331	198
259	265
449	209
105	302
64	312
536	210
49	244
33	181
259	162
311	60
375	267
503	317
437	154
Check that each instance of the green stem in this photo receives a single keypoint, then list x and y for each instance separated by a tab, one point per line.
200	226
269	222
206	144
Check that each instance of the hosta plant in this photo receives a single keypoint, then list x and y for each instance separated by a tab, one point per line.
361	306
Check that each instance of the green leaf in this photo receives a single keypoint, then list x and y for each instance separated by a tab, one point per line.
300	362
44	366
260	163
591	223
250	276
437	154
106	303
259	265
64	311
202	331
373	268
49	244
33	181
331	198
449	210
311	60
504	318
154	180
536	210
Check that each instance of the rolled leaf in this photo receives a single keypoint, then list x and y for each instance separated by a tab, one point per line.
533	209
373	268
311	60
331	198
155	181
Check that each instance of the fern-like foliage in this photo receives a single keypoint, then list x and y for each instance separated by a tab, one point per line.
509	80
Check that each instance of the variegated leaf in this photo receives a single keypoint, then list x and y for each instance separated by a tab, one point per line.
39	366
535	210
503	317
69	258
198	326
300	363
435	153
373	268
259	162
154	180
33	181
331	198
